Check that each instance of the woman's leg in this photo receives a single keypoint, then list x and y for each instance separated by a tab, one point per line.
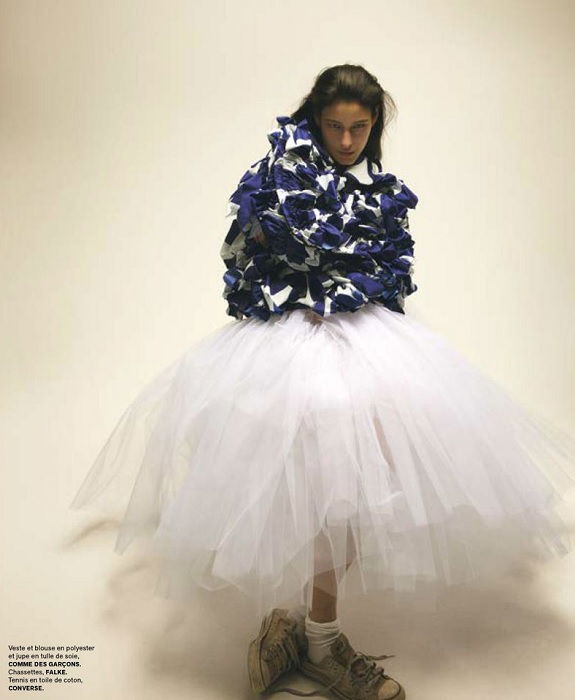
324	594
322	625
324	602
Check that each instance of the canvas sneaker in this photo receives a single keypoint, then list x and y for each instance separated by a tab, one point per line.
278	648
349	674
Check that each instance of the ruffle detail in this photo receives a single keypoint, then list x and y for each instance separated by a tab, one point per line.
306	234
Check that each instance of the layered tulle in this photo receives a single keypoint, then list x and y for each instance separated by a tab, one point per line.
274	450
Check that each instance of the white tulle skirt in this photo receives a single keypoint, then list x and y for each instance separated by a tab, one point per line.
273	451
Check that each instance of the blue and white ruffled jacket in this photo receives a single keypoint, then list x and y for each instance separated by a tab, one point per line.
309	233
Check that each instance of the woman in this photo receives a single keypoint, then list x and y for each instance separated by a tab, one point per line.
323	426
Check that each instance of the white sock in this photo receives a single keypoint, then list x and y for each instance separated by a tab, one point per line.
320	636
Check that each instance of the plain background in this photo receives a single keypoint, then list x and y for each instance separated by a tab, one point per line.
124	128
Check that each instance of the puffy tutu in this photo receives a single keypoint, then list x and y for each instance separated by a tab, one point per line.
271	451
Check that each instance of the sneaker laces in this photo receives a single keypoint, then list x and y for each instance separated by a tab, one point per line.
364	671
367	671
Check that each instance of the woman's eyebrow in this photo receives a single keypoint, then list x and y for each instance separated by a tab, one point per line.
359	121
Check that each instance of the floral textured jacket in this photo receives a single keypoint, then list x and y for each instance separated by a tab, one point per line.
309	233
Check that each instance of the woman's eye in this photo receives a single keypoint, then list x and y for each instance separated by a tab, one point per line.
357	127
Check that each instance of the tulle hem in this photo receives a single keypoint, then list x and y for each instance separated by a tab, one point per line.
274	451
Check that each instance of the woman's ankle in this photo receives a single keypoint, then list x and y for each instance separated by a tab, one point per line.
320	636
322	615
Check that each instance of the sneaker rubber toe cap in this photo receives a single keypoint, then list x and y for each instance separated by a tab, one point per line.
390	690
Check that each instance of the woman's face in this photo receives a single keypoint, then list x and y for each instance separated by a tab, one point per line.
345	129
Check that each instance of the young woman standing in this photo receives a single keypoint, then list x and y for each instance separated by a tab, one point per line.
324	427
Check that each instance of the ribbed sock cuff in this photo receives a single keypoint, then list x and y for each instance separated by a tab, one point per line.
321	627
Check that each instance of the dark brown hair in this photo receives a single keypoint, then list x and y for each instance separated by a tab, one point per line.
350	83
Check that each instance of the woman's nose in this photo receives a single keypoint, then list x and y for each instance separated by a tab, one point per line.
346	139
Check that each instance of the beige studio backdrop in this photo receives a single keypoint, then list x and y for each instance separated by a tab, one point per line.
124	128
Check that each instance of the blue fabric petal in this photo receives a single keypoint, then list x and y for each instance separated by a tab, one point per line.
306	234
